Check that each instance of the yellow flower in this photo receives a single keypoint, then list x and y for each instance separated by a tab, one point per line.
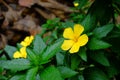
20	54
76	4
74	39
27	41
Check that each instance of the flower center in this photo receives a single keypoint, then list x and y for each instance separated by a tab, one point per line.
75	39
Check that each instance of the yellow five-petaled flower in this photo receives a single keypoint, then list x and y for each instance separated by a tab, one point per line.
20	54
27	41
73	38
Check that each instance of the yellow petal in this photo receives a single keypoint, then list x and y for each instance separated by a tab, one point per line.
31	38
68	33
78	29
83	39
67	44
17	55
75	48
23	52
23	43
27	39
76	4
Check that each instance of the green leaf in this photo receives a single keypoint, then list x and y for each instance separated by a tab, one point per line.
112	71
82	3
94	74
1	70
66	72
100	58
60	59
67	24
50	73
38	44
16	64
37	77
10	50
101	32
75	61
52	50
89	22
82	54
54	34
3	77
81	77
18	77
96	44
1	51
32	56
31	74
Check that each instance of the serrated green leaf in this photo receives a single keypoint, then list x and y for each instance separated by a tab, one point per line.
100	58
18	77
67	72
96	44
10	50
82	54
31	74
101	32
50	73
52	50
38	44
16	64
89	22
95	74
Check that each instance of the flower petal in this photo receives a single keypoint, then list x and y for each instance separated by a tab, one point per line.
67	44
31	38
76	4
17	54
23	52
27	39
78	29
75	48
68	33
23	43
83	39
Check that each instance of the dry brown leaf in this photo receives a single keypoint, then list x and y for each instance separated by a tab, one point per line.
27	24
27	3
54	5
45	14
118	19
2	41
12	15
